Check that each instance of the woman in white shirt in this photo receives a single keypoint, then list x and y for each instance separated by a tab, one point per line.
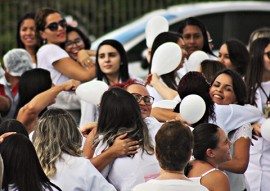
120	113
57	141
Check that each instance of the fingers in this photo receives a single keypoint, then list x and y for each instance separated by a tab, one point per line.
121	136
2	137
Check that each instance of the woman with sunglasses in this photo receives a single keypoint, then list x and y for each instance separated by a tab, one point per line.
51	30
258	82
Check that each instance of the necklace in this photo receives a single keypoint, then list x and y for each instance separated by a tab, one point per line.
267	108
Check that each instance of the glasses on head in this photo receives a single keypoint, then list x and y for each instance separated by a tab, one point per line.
54	26
77	42
267	54
148	100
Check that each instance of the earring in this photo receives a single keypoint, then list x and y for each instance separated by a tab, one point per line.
44	41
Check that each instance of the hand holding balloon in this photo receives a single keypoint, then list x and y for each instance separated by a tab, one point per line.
92	91
192	108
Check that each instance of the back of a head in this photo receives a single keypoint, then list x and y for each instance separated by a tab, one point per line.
17	61
195	83
115	103
205	136
259	33
13	125
174	143
56	133
210	68
239	55
22	167
32	83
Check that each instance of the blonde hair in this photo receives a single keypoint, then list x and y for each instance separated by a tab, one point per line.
56	133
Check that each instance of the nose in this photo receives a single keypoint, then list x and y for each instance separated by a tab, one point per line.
220	59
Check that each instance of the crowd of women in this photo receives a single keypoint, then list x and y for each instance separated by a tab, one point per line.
50	139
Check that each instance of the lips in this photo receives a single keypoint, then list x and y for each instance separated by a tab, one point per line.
217	96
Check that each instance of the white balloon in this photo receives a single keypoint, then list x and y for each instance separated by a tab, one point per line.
166	58
195	60
265	130
92	91
192	108
166	104
154	27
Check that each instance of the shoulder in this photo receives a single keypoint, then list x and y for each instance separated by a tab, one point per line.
214	179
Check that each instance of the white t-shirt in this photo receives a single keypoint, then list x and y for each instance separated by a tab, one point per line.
46	56
169	185
232	116
126	172
78	174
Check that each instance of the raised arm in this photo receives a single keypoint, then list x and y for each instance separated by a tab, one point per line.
75	70
30	111
162	89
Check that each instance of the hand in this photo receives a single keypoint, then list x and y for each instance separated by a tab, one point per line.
149	79
123	147
256	129
2	137
84	58
70	85
179	118
87	128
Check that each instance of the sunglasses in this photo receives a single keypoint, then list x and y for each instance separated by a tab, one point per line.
268	54
54	26
148	100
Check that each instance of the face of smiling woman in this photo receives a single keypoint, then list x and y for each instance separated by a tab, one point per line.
222	91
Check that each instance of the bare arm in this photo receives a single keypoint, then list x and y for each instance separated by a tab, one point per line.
121	147
75	70
30	111
162	89
239	162
164	115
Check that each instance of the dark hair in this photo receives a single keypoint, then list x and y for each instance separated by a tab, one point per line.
169	79
21	165
40	19
18	38
85	39
263	32
196	22
13	125
239	86
205	136
115	103
255	69
210	68
174	142
239	55
123	70
195	83
31	83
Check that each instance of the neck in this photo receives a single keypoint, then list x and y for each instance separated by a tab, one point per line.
266	76
212	163
32	51
113	78
166	174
